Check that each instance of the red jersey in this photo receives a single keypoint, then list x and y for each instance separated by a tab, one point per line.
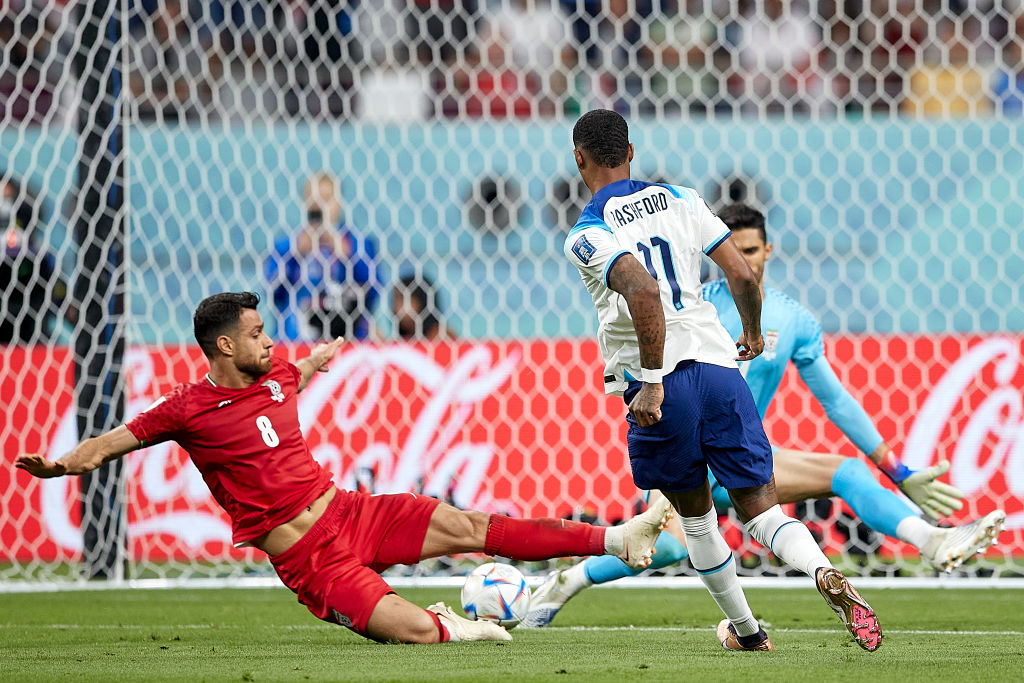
246	443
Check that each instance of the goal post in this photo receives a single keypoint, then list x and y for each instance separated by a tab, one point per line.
153	152
99	290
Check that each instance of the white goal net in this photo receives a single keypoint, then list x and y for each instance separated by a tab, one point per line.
401	173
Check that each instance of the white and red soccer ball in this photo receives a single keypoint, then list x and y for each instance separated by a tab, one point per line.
497	592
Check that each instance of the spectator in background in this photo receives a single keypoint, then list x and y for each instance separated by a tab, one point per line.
32	68
438	30
896	44
31	290
329	50
172	72
619	36
533	35
776	72
948	81
677	59
416	308
1008	82
488	86
394	90
323	280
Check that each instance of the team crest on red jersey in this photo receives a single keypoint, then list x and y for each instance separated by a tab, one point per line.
275	390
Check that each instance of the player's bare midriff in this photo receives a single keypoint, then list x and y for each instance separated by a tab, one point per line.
284	536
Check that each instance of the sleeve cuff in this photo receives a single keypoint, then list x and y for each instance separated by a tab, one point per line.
611	262
718	240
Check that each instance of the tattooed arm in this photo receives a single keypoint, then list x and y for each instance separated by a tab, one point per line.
643	297
746	292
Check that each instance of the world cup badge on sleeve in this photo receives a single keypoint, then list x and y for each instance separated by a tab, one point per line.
584	249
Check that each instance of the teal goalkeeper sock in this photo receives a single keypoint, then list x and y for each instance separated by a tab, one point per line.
879	508
605	568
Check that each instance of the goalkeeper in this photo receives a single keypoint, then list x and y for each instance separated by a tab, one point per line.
793	334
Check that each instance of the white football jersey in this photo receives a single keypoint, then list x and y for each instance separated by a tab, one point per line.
666	228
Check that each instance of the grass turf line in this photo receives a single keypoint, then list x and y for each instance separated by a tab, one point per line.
264	635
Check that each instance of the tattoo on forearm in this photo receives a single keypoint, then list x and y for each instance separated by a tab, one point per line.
649	322
748	305
646	312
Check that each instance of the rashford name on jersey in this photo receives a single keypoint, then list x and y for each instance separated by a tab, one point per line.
629	212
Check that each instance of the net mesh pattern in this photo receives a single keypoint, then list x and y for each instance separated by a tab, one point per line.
401	174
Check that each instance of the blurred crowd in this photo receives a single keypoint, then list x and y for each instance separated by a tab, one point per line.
408	60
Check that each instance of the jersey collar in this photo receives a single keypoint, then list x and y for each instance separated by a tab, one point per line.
619	188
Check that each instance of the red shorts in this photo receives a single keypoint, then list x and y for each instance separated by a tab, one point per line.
333	568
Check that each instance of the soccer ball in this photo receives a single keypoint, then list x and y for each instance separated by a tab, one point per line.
497	592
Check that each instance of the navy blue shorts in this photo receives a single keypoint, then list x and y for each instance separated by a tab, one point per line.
708	420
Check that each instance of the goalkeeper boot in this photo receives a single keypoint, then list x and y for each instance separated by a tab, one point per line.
852	609
549	598
949	548
730	640
465	630
641	533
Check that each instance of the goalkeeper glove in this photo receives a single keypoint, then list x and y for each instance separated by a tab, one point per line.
935	498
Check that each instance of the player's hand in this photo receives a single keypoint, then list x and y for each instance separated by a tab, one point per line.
38	466
935	498
749	346
646	405
323	353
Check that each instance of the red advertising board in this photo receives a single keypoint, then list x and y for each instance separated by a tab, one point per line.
515	427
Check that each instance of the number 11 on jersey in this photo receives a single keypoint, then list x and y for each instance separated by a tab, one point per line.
666	264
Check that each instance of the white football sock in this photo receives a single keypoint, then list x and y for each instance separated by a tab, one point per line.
614	539
915	531
789	539
576	578
711	556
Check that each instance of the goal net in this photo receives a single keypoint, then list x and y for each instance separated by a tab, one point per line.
401	173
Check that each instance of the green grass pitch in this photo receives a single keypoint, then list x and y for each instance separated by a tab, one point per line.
611	634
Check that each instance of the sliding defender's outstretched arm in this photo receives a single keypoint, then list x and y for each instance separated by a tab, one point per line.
85	457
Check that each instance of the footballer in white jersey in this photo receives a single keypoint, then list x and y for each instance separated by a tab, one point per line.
638	246
666	228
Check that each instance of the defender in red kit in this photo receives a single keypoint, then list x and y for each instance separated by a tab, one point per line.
239	424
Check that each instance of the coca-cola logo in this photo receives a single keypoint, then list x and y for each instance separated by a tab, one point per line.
998	419
430	454
339	400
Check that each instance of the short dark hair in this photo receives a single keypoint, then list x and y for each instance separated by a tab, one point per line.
740	216
219	313
604	136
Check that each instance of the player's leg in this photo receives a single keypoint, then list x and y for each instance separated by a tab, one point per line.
562	585
395	619
713	560
328	570
800	475
791	542
737	451
452	530
668	456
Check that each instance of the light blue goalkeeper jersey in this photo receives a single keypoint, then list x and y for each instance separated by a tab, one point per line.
791	333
